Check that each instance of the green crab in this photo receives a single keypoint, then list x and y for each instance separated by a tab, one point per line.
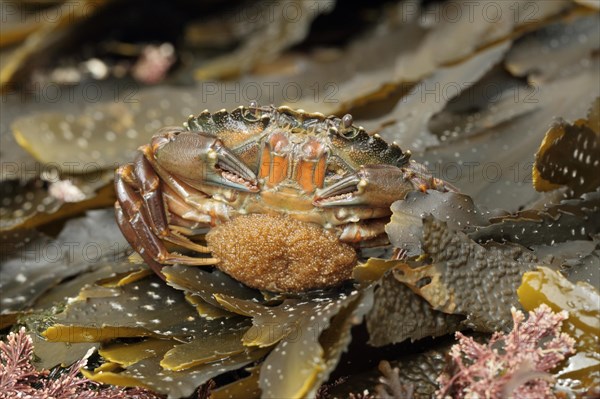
261	160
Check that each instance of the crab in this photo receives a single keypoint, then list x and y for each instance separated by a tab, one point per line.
260	160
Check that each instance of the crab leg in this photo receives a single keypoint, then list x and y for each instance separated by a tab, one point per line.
152	196
379	185
182	213
180	195
422	180
364	231
136	223
135	240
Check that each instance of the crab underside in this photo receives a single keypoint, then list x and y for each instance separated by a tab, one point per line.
263	160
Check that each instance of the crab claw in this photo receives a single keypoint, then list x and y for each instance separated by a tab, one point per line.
372	185
201	158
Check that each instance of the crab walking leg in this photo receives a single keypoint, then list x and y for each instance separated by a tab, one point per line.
182	214
364	231
135	217
422	180
152	196
135	240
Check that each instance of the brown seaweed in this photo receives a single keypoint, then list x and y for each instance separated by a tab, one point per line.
571	219
570	155
408	121
399	314
143	308
409	47
313	350
206	283
146	371
85	245
137	309
246	387
25	205
406	227
552	52
265	38
487	103
42	34
494	167
489	154
466	278
205	309
270	324
209	347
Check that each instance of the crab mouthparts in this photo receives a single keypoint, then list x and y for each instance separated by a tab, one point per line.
339	193
233	170
232	177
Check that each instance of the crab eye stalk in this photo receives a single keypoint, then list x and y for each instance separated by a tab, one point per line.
345	128
347	121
